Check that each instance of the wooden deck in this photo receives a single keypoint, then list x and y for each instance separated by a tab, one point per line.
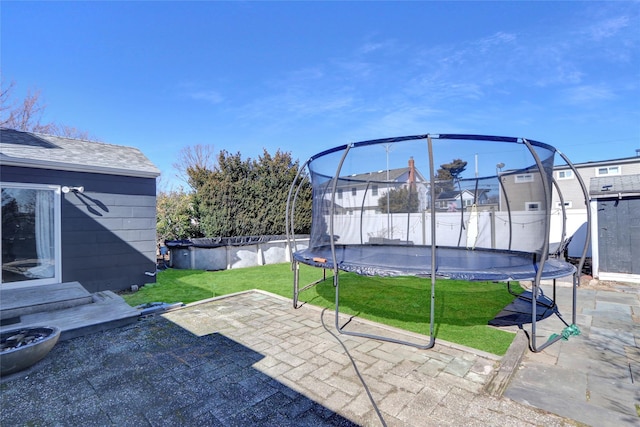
66	305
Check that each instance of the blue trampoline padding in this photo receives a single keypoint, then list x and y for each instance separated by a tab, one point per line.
519	311
452	263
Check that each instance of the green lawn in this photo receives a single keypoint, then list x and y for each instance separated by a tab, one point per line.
462	309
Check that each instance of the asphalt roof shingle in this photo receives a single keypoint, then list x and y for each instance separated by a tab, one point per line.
53	152
612	185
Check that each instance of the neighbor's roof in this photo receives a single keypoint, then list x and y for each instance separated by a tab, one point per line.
595	163
381	175
615	186
455	194
53	152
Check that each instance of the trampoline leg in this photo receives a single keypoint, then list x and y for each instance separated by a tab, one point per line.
554	338
296	283
576	283
535	287
340	329
297	290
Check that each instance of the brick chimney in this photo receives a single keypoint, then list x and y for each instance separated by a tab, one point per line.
412	172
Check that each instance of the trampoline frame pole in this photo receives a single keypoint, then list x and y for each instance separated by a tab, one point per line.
290	230
587	240
291	237
461	213
336	279
290	210
563	234
364	198
432	190
296	283
506	201
535	287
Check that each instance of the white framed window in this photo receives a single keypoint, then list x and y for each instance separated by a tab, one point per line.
524	177
532	206
567	204
568	174
30	240
374	190
354	191
608	170
339	193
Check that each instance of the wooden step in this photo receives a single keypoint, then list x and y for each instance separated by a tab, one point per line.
19	302
106	311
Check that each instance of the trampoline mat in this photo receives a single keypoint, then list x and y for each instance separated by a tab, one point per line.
452	263
519	311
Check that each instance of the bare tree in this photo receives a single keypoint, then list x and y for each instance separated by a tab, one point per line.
5	105
27	114
194	164
71	132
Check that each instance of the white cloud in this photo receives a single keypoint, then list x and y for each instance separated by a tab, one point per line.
403	120
371	47
495	41
193	90
210	96
608	27
587	94
295	104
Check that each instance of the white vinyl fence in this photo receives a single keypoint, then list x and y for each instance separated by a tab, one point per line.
492	232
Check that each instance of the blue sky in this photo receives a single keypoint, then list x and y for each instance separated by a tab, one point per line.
306	76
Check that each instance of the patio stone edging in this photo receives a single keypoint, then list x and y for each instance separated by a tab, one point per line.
508	365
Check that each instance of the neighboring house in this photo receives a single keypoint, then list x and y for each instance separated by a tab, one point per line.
524	190
570	187
615	227
75	210
453	201
361	192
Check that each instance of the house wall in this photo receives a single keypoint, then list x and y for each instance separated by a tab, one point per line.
522	194
570	188
108	232
364	197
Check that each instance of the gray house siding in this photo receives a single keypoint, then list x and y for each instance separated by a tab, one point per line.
571	190
522	194
108	233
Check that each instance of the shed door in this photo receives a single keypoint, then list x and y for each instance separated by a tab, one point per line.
619	235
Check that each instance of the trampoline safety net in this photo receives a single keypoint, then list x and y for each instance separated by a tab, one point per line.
482	203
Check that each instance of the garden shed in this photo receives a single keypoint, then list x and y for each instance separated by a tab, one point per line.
616	227
76	210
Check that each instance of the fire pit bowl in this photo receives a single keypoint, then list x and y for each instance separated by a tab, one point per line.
23	347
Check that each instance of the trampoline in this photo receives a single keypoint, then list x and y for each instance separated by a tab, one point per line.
438	206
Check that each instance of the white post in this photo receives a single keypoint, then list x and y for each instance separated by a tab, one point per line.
595	256
260	259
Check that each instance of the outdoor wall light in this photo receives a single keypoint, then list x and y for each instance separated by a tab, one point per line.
67	189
